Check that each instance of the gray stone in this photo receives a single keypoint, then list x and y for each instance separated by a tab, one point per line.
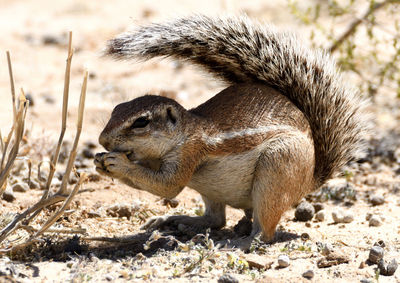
283	261
304	211
377	200
348	217
227	278
120	210
318	206
375	221
340	217
387	269
258	261
309	274
375	254
8	196
20	187
320	215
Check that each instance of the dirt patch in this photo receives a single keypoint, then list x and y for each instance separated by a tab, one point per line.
35	33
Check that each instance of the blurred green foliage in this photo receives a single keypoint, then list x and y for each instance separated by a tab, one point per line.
364	36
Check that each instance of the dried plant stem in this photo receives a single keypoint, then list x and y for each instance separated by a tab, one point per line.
18	134
12	85
73	153
14	225
56	154
6	143
21	221
67	202
353	26
1	143
49	222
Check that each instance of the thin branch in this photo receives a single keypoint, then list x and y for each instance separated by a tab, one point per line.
73	153
54	159
58	214
19	126
12	226
2	144
353	26
50	221
12	85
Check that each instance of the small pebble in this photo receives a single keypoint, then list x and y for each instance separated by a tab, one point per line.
309	274
88	153
50	100
171	202
305	237
320	215
340	217
387	269
34	185
73	179
258	261
120	210
227	278
8	196
375	254
377	200
109	277
53	39
347	218
380	243
318	206
375	221
93	177
362	265
93	214
366	280
304	211
20	187
283	261
90	145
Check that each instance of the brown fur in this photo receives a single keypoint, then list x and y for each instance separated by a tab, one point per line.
285	125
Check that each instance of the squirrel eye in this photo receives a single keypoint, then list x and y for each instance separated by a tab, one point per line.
140	122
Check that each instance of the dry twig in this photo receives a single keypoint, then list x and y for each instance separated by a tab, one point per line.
54	159
21	220
353	26
18	130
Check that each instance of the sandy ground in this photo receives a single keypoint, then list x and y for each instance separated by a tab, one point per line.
35	33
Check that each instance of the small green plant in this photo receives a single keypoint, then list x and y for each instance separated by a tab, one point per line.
377	273
367	46
292	246
236	263
206	252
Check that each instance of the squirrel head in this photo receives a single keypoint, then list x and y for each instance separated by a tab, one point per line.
148	126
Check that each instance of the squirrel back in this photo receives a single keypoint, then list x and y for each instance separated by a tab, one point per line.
241	51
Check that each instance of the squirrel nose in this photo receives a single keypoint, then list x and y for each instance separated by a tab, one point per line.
103	141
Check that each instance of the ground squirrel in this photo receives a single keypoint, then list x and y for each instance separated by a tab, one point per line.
287	123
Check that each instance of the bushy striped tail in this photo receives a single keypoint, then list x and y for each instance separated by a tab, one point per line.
239	50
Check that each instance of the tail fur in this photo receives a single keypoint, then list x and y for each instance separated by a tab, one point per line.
239	50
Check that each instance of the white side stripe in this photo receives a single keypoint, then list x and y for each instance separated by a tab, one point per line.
220	138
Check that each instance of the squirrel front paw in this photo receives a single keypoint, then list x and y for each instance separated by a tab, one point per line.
113	164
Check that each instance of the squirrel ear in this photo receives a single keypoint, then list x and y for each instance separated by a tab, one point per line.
171	115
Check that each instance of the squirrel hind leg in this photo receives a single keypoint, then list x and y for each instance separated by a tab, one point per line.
284	174
214	217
